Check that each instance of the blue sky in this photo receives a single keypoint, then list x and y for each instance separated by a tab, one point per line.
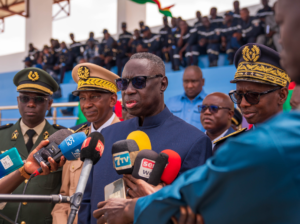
95	15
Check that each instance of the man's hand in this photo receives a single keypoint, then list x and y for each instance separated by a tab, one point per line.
115	211
32	165
188	217
137	187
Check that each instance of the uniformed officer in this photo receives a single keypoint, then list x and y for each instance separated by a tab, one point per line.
215	20
107	51
151	42
49	58
75	47
135	41
261	85
123	48
265	11
97	94
209	38
236	10
166	38
231	35
35	88
65	61
182	55
237	119
199	19
251	27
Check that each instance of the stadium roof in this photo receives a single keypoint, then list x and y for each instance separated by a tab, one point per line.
17	7
12	7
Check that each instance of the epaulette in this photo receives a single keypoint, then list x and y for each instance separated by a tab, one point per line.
57	126
230	135
82	127
6	126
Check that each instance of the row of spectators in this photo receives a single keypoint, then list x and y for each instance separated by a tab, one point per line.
180	43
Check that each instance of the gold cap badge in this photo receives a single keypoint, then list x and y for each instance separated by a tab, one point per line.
83	72
252	54
33	76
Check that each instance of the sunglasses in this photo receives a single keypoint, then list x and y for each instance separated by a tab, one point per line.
251	97
138	82
36	99
212	108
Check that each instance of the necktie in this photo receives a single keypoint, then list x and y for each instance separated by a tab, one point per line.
30	134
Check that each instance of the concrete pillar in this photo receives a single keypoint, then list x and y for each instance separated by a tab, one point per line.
39	23
131	13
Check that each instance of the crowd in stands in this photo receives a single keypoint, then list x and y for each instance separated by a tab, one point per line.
180	43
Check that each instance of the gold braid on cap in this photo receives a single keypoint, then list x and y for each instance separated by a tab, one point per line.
262	71
97	83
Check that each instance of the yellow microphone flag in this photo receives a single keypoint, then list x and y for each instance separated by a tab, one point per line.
141	138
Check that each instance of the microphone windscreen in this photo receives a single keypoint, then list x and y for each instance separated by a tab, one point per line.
70	146
173	167
59	136
93	147
144	164
123	159
141	138
160	165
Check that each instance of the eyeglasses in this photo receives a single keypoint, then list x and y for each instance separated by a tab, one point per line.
138	82
251	97
212	108
36	99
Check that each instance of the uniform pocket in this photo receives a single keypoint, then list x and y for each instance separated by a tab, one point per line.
196	115
75	170
50	181
176	109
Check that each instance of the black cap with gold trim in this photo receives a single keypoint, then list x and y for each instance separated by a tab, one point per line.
91	77
35	80
261	64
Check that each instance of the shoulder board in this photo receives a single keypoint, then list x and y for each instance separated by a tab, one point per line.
57	126
230	135
6	126
82	127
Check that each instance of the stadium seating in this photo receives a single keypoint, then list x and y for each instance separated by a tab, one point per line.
216	79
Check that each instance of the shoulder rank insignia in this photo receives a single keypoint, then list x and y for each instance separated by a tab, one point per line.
6	126
230	135
86	132
46	135
82	127
149	45
57	126
15	135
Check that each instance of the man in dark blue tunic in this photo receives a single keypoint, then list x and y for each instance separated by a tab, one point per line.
143	96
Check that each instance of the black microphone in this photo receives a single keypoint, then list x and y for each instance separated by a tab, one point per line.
61	143
124	153
91	152
160	165
144	164
54	198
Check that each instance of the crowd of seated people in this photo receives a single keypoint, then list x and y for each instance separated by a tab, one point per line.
179	43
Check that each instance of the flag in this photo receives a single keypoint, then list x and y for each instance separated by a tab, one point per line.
165	11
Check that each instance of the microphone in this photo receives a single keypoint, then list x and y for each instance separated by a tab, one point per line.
144	164
141	138
61	144
173	167
10	161
160	165
91	152
124	153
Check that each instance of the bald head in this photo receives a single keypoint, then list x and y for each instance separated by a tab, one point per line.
224	98
217	121
193	81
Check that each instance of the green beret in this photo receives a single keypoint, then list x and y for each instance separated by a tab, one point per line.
35	80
